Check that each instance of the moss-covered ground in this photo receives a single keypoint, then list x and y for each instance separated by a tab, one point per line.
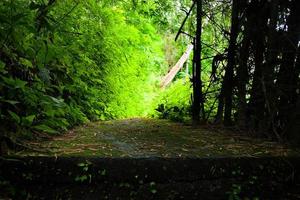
154	138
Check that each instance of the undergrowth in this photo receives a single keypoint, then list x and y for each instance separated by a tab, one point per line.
69	62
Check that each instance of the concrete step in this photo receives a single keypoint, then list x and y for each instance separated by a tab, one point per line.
151	178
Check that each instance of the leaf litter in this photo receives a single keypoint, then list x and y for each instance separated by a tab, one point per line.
142	137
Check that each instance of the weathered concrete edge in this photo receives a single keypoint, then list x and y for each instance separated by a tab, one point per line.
64	170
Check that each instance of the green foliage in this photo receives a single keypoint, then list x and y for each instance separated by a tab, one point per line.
69	62
85	176
174	103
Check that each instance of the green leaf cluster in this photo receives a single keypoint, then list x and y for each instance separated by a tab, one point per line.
175	102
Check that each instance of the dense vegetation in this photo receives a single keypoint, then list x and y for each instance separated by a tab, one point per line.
66	62
63	63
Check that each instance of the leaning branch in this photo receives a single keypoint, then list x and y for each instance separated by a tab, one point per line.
170	76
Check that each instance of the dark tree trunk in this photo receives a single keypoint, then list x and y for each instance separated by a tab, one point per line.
242	80
197	82
258	32
242	71
297	72
228	79
294	125
257	98
286	78
272	52
294	120
219	116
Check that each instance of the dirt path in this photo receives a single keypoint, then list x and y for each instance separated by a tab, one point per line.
154	138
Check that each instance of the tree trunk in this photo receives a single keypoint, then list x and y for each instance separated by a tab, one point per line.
269	68
257	100
228	79
197	82
294	125
219	116
286	78
242	80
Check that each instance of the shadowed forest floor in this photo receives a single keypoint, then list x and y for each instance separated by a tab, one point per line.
153	138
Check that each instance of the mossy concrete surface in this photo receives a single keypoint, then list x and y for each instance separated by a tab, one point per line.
151	159
152	178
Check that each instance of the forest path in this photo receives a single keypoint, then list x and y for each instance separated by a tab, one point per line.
142	137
